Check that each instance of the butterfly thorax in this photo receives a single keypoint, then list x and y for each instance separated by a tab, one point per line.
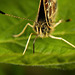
42	29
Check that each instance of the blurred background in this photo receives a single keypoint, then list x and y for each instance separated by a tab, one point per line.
7	69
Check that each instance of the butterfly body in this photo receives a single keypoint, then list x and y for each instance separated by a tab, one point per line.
44	21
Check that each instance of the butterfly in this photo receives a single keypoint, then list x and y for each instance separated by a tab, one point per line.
44	24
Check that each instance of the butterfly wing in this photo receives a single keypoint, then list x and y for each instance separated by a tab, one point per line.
50	7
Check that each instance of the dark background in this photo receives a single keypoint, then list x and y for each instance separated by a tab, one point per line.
7	69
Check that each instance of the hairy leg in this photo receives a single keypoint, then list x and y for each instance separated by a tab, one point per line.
28	24
34	43
27	43
62	40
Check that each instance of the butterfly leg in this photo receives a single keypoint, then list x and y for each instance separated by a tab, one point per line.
28	24
60	21
62	40
27	43
34	43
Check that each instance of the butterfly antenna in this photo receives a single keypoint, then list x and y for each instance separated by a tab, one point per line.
68	20
1	12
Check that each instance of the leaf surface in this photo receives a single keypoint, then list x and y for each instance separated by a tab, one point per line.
49	52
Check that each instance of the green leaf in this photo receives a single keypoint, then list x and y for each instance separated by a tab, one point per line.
49	52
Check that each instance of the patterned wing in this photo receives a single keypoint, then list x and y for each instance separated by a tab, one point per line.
50	10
